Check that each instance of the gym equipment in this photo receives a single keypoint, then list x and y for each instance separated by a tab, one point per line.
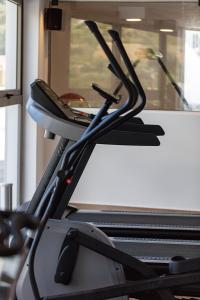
163	235
82	262
152	237
12	250
43	108
94	127
11	224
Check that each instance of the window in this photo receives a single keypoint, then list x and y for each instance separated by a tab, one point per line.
160	42
2	139
10	36
192	67
87	62
137	43
10	94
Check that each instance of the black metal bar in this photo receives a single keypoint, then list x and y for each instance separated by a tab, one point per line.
76	177
145	128
132	288
44	182
116	38
151	233
120	85
142	270
172	81
129	139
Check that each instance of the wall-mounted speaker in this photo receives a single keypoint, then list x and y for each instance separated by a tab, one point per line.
53	18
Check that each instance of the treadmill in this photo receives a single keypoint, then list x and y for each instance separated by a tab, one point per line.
152	237
70	124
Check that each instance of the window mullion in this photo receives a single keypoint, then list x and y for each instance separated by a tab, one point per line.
19	2
11	93
4	101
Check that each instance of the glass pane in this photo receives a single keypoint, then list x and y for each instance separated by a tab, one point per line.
138	44
9	12
87	64
173	59
192	67
2	43
162	39
9	149
2	143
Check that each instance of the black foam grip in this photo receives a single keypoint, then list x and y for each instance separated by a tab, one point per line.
114	34
92	25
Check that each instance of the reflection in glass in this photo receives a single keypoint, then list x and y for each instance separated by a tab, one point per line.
87	62
138	43
170	30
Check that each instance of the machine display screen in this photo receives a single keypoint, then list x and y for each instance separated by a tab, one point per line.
73	115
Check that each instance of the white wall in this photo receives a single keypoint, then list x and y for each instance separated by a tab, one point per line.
154	177
35	65
12	150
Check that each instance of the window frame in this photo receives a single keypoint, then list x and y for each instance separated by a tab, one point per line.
14	96
18	2
11	98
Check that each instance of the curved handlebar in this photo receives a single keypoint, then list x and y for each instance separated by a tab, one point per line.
131	90
116	38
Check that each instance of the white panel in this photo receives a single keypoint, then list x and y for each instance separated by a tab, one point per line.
30	71
35	65
12	146
154	177
128	1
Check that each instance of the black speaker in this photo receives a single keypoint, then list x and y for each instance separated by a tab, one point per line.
53	18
